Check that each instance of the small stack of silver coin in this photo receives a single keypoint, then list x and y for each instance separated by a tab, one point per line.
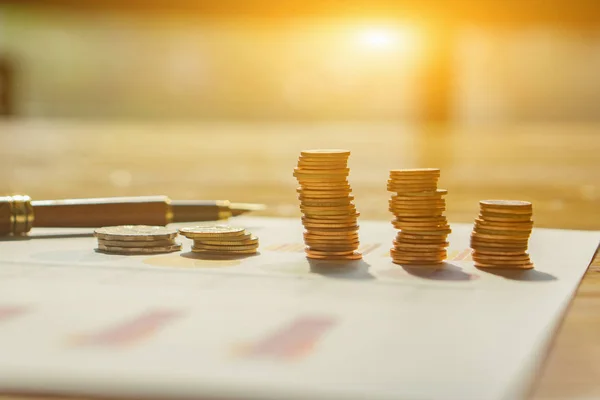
136	239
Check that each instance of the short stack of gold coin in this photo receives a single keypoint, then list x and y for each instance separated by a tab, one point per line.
418	206
330	216
221	240
136	239
501	234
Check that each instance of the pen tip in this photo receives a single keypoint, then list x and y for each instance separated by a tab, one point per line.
240	208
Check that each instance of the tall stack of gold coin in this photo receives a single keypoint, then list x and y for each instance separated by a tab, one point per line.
330	217
418	206
501	234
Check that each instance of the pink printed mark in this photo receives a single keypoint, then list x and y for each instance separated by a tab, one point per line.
10	312
131	331
293	341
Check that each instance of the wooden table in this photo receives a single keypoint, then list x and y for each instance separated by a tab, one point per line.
557	167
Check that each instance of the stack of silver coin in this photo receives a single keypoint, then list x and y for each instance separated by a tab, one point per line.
136	239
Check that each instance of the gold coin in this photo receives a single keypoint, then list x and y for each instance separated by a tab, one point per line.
438	192
349	257
312	213
404	245
424	224
495	235
402	255
325	196
425	184
411	238
414	213
328	253
415	171
138	250
331	242
499	258
499	251
340	171
345	217
222	253
505	211
498	238
318	179
418	199
513	226
414	204
335	233
135	233
433	232
324	190
341	235
421	219
320	166
409	189
408	254
413	182
349	220
503	266
319	153
504	217
327	203
322	247
422	209
429	263
334	198
512	204
323	160
317	214
202	246
324	187
509	247
419	228
350	206
330	227
331	176
142	243
507	233
423	229
228	241
212	231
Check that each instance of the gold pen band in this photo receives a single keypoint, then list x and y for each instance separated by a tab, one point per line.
21	214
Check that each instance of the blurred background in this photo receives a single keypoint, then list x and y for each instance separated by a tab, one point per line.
216	98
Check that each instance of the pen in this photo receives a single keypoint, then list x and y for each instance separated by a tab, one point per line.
18	214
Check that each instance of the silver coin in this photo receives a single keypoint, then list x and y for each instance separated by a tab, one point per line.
138	250
141	243
135	232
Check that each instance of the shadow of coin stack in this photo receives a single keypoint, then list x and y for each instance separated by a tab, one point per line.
418	206
501	234
330	216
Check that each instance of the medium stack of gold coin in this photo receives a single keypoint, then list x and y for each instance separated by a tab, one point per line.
501	234
418	206
221	240
136	239
330	216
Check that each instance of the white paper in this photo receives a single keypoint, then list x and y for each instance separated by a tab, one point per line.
272	326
